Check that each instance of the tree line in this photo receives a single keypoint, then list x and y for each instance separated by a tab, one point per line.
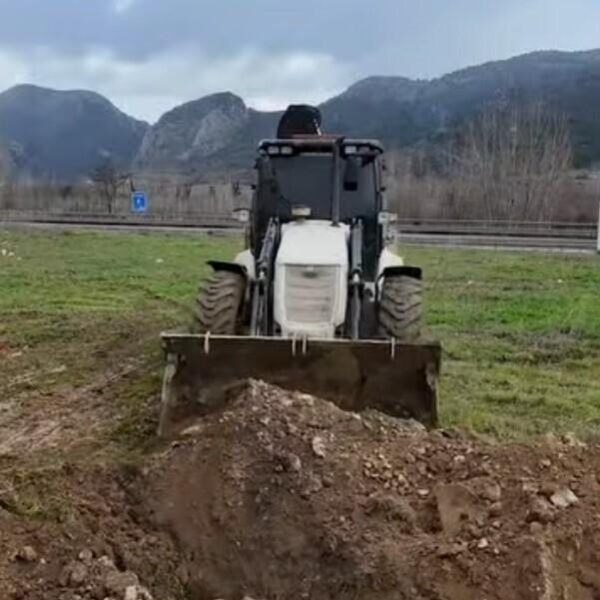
511	162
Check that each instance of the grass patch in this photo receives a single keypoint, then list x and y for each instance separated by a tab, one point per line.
55	278
136	430
521	335
75	293
521	331
36	493
76	307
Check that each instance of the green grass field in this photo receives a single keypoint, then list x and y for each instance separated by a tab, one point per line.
521	331
521	334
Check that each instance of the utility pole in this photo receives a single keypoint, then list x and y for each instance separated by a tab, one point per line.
598	242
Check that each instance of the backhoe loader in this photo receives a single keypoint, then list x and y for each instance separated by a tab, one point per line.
319	301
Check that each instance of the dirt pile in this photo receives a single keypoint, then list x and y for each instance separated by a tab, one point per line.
284	496
96	544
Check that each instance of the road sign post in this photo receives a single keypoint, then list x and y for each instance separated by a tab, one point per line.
598	244
139	202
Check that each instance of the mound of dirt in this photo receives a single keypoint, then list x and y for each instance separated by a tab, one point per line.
281	495
97	546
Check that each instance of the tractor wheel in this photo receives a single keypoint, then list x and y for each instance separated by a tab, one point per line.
400	308
219	304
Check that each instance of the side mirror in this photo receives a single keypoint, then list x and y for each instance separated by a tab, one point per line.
241	215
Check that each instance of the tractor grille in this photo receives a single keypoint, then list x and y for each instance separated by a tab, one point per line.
310	293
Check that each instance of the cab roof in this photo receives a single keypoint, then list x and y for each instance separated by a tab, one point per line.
318	143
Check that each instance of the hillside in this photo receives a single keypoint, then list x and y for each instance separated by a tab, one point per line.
402	112
399	111
213	133
63	135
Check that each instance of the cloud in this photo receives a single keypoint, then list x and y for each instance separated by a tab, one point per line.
148	56
121	6
148	87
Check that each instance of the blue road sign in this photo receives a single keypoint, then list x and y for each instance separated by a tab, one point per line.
139	202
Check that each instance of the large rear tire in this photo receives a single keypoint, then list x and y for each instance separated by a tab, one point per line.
400	308
219	304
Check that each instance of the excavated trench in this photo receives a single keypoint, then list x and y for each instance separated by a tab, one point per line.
283	496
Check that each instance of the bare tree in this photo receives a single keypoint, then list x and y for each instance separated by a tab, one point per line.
6	187
418	187
510	163
108	180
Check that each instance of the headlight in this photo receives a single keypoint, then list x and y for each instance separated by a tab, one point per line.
301	212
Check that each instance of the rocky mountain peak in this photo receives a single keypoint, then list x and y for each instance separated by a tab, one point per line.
195	129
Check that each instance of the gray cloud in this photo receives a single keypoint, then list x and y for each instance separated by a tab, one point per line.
149	86
147	55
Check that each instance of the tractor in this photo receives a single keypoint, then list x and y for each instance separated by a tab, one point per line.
319	301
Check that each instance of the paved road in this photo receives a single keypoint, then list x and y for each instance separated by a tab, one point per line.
121	228
497	242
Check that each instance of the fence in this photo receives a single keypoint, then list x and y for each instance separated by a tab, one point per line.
505	228
175	203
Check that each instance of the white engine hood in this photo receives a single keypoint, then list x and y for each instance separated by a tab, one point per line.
314	243
311	306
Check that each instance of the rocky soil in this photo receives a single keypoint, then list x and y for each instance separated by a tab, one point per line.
284	496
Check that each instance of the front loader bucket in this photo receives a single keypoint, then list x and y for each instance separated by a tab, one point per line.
398	379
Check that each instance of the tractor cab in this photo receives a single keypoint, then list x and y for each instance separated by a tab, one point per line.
321	178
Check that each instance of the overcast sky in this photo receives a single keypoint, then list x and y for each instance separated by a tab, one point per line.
149	55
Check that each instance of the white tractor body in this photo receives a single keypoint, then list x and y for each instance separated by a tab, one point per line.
311	279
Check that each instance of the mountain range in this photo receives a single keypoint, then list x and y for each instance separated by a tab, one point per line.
63	135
